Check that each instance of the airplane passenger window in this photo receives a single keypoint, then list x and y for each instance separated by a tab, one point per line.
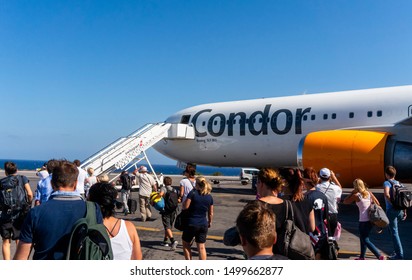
313	117
305	118
215	123
203	123
370	114
351	115
325	116
185	119
379	113
333	116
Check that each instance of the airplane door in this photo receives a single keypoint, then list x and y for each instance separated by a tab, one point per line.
410	111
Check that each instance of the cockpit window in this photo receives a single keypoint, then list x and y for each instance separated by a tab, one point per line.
185	119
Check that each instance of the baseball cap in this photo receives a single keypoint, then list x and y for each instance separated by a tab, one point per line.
324	173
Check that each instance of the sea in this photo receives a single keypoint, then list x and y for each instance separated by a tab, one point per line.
158	168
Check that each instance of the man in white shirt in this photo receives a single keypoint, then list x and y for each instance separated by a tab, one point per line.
81	178
147	185
331	187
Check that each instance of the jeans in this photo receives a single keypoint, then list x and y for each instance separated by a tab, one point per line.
125	197
364	230
394	217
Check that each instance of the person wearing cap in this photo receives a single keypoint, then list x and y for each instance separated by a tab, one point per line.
330	186
147	185
44	186
42	172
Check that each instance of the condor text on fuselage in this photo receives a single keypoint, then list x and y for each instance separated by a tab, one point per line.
259	122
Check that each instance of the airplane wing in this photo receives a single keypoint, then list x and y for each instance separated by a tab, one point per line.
407	121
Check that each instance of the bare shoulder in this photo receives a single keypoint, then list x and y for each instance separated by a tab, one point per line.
131	229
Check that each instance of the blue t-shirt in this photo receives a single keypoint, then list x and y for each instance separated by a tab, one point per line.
48	226
199	207
44	189
387	184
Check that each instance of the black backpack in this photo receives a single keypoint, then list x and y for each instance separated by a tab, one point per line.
126	182
171	201
89	240
13	198
401	197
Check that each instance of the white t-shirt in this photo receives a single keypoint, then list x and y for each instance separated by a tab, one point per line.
80	180
333	193
187	187
122	245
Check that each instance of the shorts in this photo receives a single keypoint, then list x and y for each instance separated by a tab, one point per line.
10	230
198	232
168	220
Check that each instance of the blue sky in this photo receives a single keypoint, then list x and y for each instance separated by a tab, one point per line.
77	75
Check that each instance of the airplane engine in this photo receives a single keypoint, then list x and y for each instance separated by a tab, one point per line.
355	154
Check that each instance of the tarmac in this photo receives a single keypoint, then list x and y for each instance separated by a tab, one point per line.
229	198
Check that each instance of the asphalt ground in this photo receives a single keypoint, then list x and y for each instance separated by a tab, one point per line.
229	198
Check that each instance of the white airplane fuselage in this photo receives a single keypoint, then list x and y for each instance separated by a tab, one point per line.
279	131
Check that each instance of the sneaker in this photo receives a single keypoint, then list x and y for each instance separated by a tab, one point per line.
174	245
395	257
165	244
382	258
360	259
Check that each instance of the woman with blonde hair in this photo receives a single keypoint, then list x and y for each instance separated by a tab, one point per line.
363	199
199	207
90	180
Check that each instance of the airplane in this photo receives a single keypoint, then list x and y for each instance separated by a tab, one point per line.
355	133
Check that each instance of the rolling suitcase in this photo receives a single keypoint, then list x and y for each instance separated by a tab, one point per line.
132	204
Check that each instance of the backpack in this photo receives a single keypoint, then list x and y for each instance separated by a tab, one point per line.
88	239
401	197
13	198
126	182
327	246
171	201
292	242
157	201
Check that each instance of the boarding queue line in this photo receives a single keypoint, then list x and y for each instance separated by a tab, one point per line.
230	197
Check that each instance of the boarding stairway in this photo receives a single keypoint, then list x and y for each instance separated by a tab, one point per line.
121	153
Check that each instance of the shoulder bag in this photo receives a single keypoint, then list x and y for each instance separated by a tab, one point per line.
377	215
181	220
292	242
